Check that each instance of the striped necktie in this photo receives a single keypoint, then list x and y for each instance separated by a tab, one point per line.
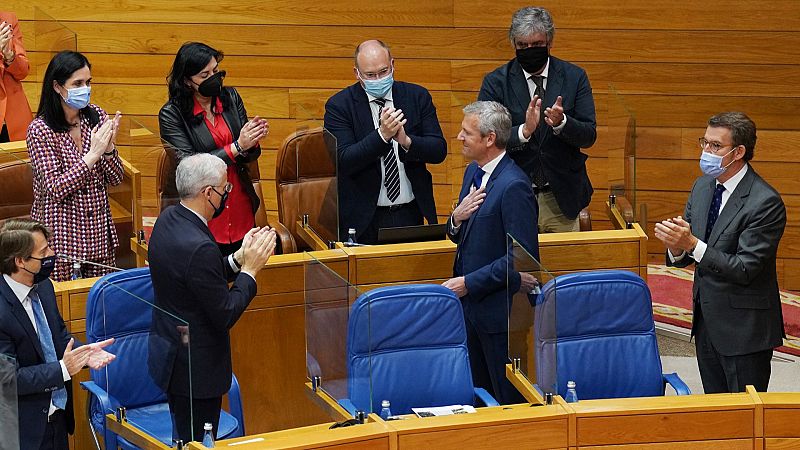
391	179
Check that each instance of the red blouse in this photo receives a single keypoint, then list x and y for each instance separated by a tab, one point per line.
238	218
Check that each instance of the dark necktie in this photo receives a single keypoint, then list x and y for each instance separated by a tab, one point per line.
713	211
537	174
391	178
477	178
59	396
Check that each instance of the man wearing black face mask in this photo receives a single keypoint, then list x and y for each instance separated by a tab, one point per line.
553	117
190	281
34	334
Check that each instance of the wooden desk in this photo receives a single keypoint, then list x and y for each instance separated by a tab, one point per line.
781	419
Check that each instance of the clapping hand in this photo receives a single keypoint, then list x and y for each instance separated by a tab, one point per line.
6	34
391	121
532	116
554	115
252	132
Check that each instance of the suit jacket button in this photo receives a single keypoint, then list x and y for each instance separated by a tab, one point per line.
44	411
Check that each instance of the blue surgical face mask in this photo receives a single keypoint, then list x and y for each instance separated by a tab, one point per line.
78	97
380	87
711	164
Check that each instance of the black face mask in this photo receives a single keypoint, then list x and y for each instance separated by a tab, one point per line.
48	264
212	86
533	59
219	209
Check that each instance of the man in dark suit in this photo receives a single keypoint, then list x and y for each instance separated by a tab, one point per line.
196	308
730	230
547	147
495	200
34	334
386	131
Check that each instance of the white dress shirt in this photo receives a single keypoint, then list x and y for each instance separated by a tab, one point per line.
406	193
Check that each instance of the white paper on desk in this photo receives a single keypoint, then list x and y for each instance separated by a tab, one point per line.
443	410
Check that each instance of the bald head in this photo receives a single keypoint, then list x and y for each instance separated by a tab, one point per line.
372	54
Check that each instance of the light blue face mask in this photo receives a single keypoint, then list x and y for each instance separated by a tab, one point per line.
711	164
78	97
379	88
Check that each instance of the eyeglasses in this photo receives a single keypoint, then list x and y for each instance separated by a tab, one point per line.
228	188
375	75
715	146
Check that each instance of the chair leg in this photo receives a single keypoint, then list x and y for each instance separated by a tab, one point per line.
91	425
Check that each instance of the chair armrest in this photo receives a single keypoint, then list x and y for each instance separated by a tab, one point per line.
108	403
675	381
348	405
484	396
288	245
235	402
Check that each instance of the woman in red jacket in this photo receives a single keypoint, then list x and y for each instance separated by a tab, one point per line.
15	113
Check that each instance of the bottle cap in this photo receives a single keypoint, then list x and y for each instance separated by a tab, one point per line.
76	265
570	384
385	404
351	231
207	426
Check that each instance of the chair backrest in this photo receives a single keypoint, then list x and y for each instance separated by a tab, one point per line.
16	184
305	178
120	306
604	336
166	190
409	345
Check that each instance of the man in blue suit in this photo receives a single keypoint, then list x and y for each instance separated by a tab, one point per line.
496	200
34	334
386	131
189	349
546	146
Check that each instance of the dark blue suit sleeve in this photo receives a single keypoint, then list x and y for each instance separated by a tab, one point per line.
580	130
519	220
428	144
206	275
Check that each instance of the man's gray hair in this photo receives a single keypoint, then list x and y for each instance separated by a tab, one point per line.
198	171
530	20
492	117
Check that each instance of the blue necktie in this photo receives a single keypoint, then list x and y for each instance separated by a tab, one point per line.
477	178
46	340
713	211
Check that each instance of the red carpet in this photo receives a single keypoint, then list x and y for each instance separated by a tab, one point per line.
671	289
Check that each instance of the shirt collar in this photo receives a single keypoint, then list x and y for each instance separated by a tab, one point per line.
19	289
489	167
199	109
387	97
734	181
196	214
544	72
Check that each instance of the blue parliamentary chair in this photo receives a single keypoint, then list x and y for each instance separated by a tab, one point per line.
597	329
120	305
408	344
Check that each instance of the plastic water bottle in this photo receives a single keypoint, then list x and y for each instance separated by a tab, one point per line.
208	436
572	394
386	412
351	237
76	271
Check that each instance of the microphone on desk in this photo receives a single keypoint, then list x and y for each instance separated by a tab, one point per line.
83	261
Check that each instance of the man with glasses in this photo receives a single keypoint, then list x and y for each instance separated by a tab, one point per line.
552	112
386	131
730	230
195	307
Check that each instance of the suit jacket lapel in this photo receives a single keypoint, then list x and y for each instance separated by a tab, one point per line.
489	186
363	111
21	315
519	85
555	81
735	202
700	207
